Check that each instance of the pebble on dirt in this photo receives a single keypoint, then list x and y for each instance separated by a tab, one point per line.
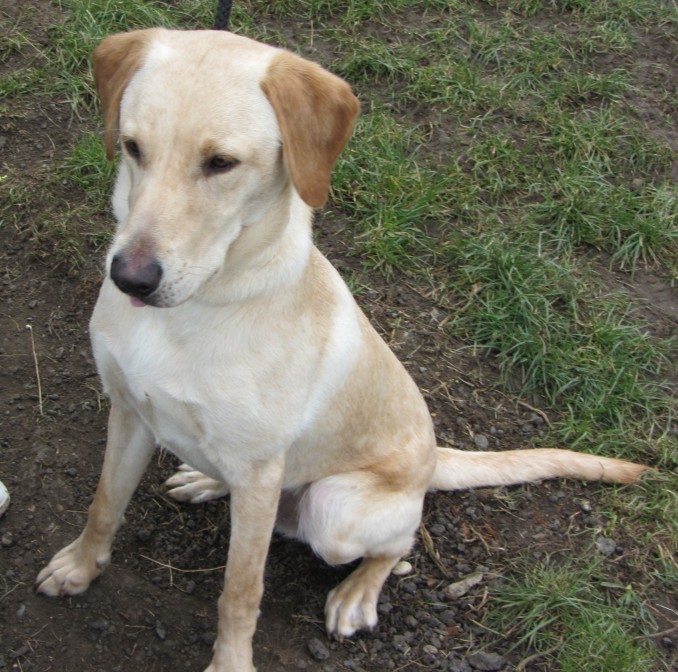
486	662
317	649
459	588
402	568
4	498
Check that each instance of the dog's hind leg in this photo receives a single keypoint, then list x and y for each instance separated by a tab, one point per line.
355	515
129	449
352	605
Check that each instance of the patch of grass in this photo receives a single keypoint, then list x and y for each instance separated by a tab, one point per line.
89	170
387	194
374	61
568	612
21	82
14	42
582	355
64	236
636	226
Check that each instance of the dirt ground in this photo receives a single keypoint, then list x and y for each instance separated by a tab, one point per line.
154	609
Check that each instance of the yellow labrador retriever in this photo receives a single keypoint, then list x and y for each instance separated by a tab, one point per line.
223	334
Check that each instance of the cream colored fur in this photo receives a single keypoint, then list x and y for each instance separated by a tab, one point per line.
250	359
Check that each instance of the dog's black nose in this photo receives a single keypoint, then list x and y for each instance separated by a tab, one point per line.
136	276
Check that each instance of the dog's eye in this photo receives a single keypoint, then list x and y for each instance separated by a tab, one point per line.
220	164
132	149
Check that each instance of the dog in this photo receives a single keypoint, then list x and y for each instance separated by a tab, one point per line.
222	334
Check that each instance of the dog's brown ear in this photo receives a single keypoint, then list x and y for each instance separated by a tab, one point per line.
115	60
316	112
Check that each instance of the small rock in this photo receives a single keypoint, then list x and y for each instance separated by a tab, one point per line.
448	617
637	184
384	607
667	642
459	588
487	662
317	649
21	613
400	644
411	621
585	506
402	568
408	587
160	631
593	521
21	651
7	539
606	546
481	441
4	498
100	625
144	534
458	666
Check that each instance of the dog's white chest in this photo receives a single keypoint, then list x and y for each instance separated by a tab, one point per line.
195	387
145	366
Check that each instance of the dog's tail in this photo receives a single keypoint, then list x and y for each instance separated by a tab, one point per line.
460	469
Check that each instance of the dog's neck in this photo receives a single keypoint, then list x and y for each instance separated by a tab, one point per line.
268	257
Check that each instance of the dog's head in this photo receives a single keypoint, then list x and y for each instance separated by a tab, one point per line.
217	132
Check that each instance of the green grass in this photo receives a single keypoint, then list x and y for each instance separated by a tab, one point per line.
570	610
384	160
502	155
90	172
583	355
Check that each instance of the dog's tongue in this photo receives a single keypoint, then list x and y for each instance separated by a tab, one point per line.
137	303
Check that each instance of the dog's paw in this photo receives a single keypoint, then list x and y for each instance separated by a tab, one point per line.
350	607
188	485
213	667
70	571
231	661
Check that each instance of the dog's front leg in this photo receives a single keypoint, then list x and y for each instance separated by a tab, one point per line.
128	450
254	503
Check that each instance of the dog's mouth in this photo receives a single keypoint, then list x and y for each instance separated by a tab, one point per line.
158	299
